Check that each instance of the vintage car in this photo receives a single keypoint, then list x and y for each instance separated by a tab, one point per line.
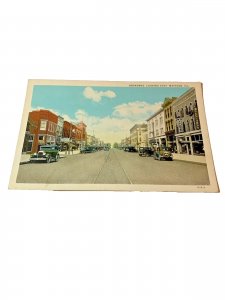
145	151
47	153
163	153
87	149
130	149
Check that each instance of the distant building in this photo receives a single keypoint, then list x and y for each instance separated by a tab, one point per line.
125	142
156	129
187	124
138	135
82	133
92	140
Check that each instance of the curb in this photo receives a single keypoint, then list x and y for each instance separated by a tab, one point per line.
24	162
190	161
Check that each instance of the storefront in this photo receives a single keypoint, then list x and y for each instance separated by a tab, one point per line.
191	144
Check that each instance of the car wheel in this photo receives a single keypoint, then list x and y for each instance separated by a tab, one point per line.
56	158
48	160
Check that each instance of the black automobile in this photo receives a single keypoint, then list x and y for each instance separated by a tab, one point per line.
163	153
87	149
145	151
130	149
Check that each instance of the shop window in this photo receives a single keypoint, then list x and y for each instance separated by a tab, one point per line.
41	137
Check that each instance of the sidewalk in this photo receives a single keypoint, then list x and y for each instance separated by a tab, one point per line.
190	158
25	158
65	153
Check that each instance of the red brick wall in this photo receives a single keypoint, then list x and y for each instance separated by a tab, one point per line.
77	132
35	117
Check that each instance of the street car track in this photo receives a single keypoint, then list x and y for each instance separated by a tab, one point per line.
110	154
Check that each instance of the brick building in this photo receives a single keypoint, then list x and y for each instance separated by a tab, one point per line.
74	135
41	129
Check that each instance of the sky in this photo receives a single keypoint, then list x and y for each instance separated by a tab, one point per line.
108	112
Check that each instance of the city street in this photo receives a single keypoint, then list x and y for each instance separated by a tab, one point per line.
112	167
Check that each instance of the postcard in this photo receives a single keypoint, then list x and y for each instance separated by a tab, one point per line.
114	136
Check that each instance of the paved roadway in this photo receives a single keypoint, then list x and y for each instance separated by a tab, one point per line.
111	167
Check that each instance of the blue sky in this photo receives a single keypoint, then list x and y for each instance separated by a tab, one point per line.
108	111
68	99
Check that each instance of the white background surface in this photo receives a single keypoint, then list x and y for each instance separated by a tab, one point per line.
111	245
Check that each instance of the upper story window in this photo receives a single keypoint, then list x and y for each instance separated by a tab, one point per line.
182	112
51	127
43	125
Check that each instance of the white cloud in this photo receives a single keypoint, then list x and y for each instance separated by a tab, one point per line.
109	129
96	96
40	107
138	110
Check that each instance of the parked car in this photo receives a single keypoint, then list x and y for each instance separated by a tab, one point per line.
47	153
163	153
87	149
130	149
145	151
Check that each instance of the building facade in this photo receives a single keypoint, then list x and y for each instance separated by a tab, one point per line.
59	130
125	142
156	129
81	134
138	135
169	122
74	135
188	133
41	126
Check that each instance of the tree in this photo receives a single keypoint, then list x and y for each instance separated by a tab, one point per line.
115	145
